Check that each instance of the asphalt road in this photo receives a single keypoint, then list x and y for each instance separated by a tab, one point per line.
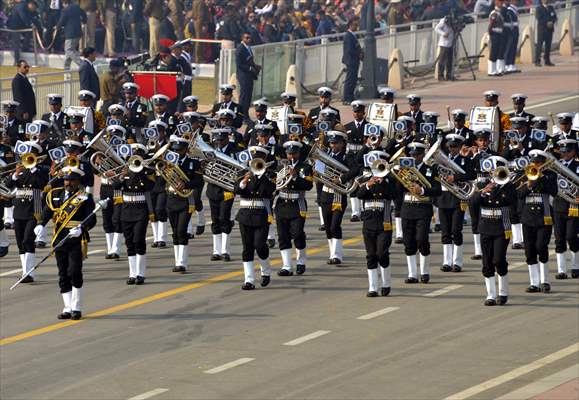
316	336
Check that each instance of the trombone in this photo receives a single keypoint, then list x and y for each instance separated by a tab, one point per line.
27	160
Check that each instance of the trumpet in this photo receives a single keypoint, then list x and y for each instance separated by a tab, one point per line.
399	136
5	193
501	175
380	168
136	163
374	140
257	166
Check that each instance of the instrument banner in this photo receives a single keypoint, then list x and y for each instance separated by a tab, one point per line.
151	83
382	114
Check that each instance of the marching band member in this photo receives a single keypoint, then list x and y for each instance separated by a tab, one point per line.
519	101
161	113
459	128
226	119
536	216
566	216
136	114
221	201
497	200
136	212
492	100
73	147
68	207
377	195
178	207
260	107
255	191
7	156
565	121
496	62
95	121
227	103
14	127
451	209
387	95
29	182
414	102
356	139
334	203
159	193
56	117
416	213
325	96
291	210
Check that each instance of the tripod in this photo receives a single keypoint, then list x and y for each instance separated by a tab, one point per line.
458	38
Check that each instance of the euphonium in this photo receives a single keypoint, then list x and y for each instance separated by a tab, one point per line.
174	177
333	170
534	171
105	158
567	180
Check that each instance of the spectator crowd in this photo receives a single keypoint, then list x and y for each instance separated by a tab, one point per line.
116	27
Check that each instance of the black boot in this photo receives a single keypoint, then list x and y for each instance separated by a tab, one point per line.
300	269
265	281
75	315
385	291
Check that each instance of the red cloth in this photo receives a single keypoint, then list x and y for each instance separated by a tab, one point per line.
165	84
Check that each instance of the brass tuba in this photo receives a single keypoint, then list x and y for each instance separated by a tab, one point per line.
174	176
105	158
332	171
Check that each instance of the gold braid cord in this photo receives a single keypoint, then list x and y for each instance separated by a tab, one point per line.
62	217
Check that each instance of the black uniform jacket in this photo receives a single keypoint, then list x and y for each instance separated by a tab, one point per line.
259	188
422	209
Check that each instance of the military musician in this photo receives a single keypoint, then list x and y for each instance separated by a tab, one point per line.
356	139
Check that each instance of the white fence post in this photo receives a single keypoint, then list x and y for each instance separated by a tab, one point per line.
324	60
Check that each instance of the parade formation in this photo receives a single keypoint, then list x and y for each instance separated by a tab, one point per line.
402	174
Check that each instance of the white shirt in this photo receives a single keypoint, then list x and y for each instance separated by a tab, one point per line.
441	29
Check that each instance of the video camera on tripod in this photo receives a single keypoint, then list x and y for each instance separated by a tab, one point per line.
458	21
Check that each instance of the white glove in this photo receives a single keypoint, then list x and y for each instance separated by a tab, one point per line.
38	229
75	232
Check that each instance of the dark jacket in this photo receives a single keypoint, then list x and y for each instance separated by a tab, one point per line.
245	66
70	20
422	210
23	93
351	50
375	219
545	15
536	198
258	188
22	18
89	80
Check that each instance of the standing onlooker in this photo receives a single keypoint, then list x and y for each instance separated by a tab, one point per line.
325	26
89	80
511	50
22	16
200	16
229	28
108	11
395	16
111	84
446	47
270	30
546	18
176	16
70	20
247	72
136	20
90	8
23	93
351	56
155	12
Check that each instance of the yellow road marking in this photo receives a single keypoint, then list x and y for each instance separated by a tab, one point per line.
149	299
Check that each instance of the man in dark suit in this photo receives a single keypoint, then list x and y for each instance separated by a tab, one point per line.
352	54
546	18
71	18
414	102
23	93
247	72
56	117
89	80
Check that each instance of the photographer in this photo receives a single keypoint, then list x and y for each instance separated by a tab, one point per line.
111	83
446	48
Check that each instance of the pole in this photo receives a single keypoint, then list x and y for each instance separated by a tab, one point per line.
100	204
369	89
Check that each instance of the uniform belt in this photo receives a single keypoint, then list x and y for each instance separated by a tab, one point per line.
289	196
138	198
246	203
410	198
482	178
105	181
374	205
72	224
534	199
497	30
354	147
24	193
491	213
328	189
187	77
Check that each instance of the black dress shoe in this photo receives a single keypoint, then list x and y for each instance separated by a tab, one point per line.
140	280
336	261
330	261
75	315
385	291
300	269
575	273
411	280
179	269
502	300
537	64
39	245
549	64
446	268
322	228
372	294
545	287
436	227
285	272
131	281
108	256
456	268
476	257
200	230
265	281
190	236
155	244
271	243
3	251
115	256
63	315
425	278
398	240
355	218
490	302
28	279
8	225
561	275
226	257
162	245
518	246
532	289
247	286
215	257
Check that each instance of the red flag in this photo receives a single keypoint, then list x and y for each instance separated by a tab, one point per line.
151	83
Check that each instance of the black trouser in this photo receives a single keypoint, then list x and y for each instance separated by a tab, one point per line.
112	218
415	236
445	62
543	36
24	232
254	240
398	200
289	229
221	216
135	233
160	206
197	201
474	211
451	225
537	243
497	43
494	254
245	93
69	262
511	50
377	245
333	221
179	222
566	232
350	82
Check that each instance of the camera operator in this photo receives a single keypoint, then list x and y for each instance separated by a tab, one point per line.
111	83
446	34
